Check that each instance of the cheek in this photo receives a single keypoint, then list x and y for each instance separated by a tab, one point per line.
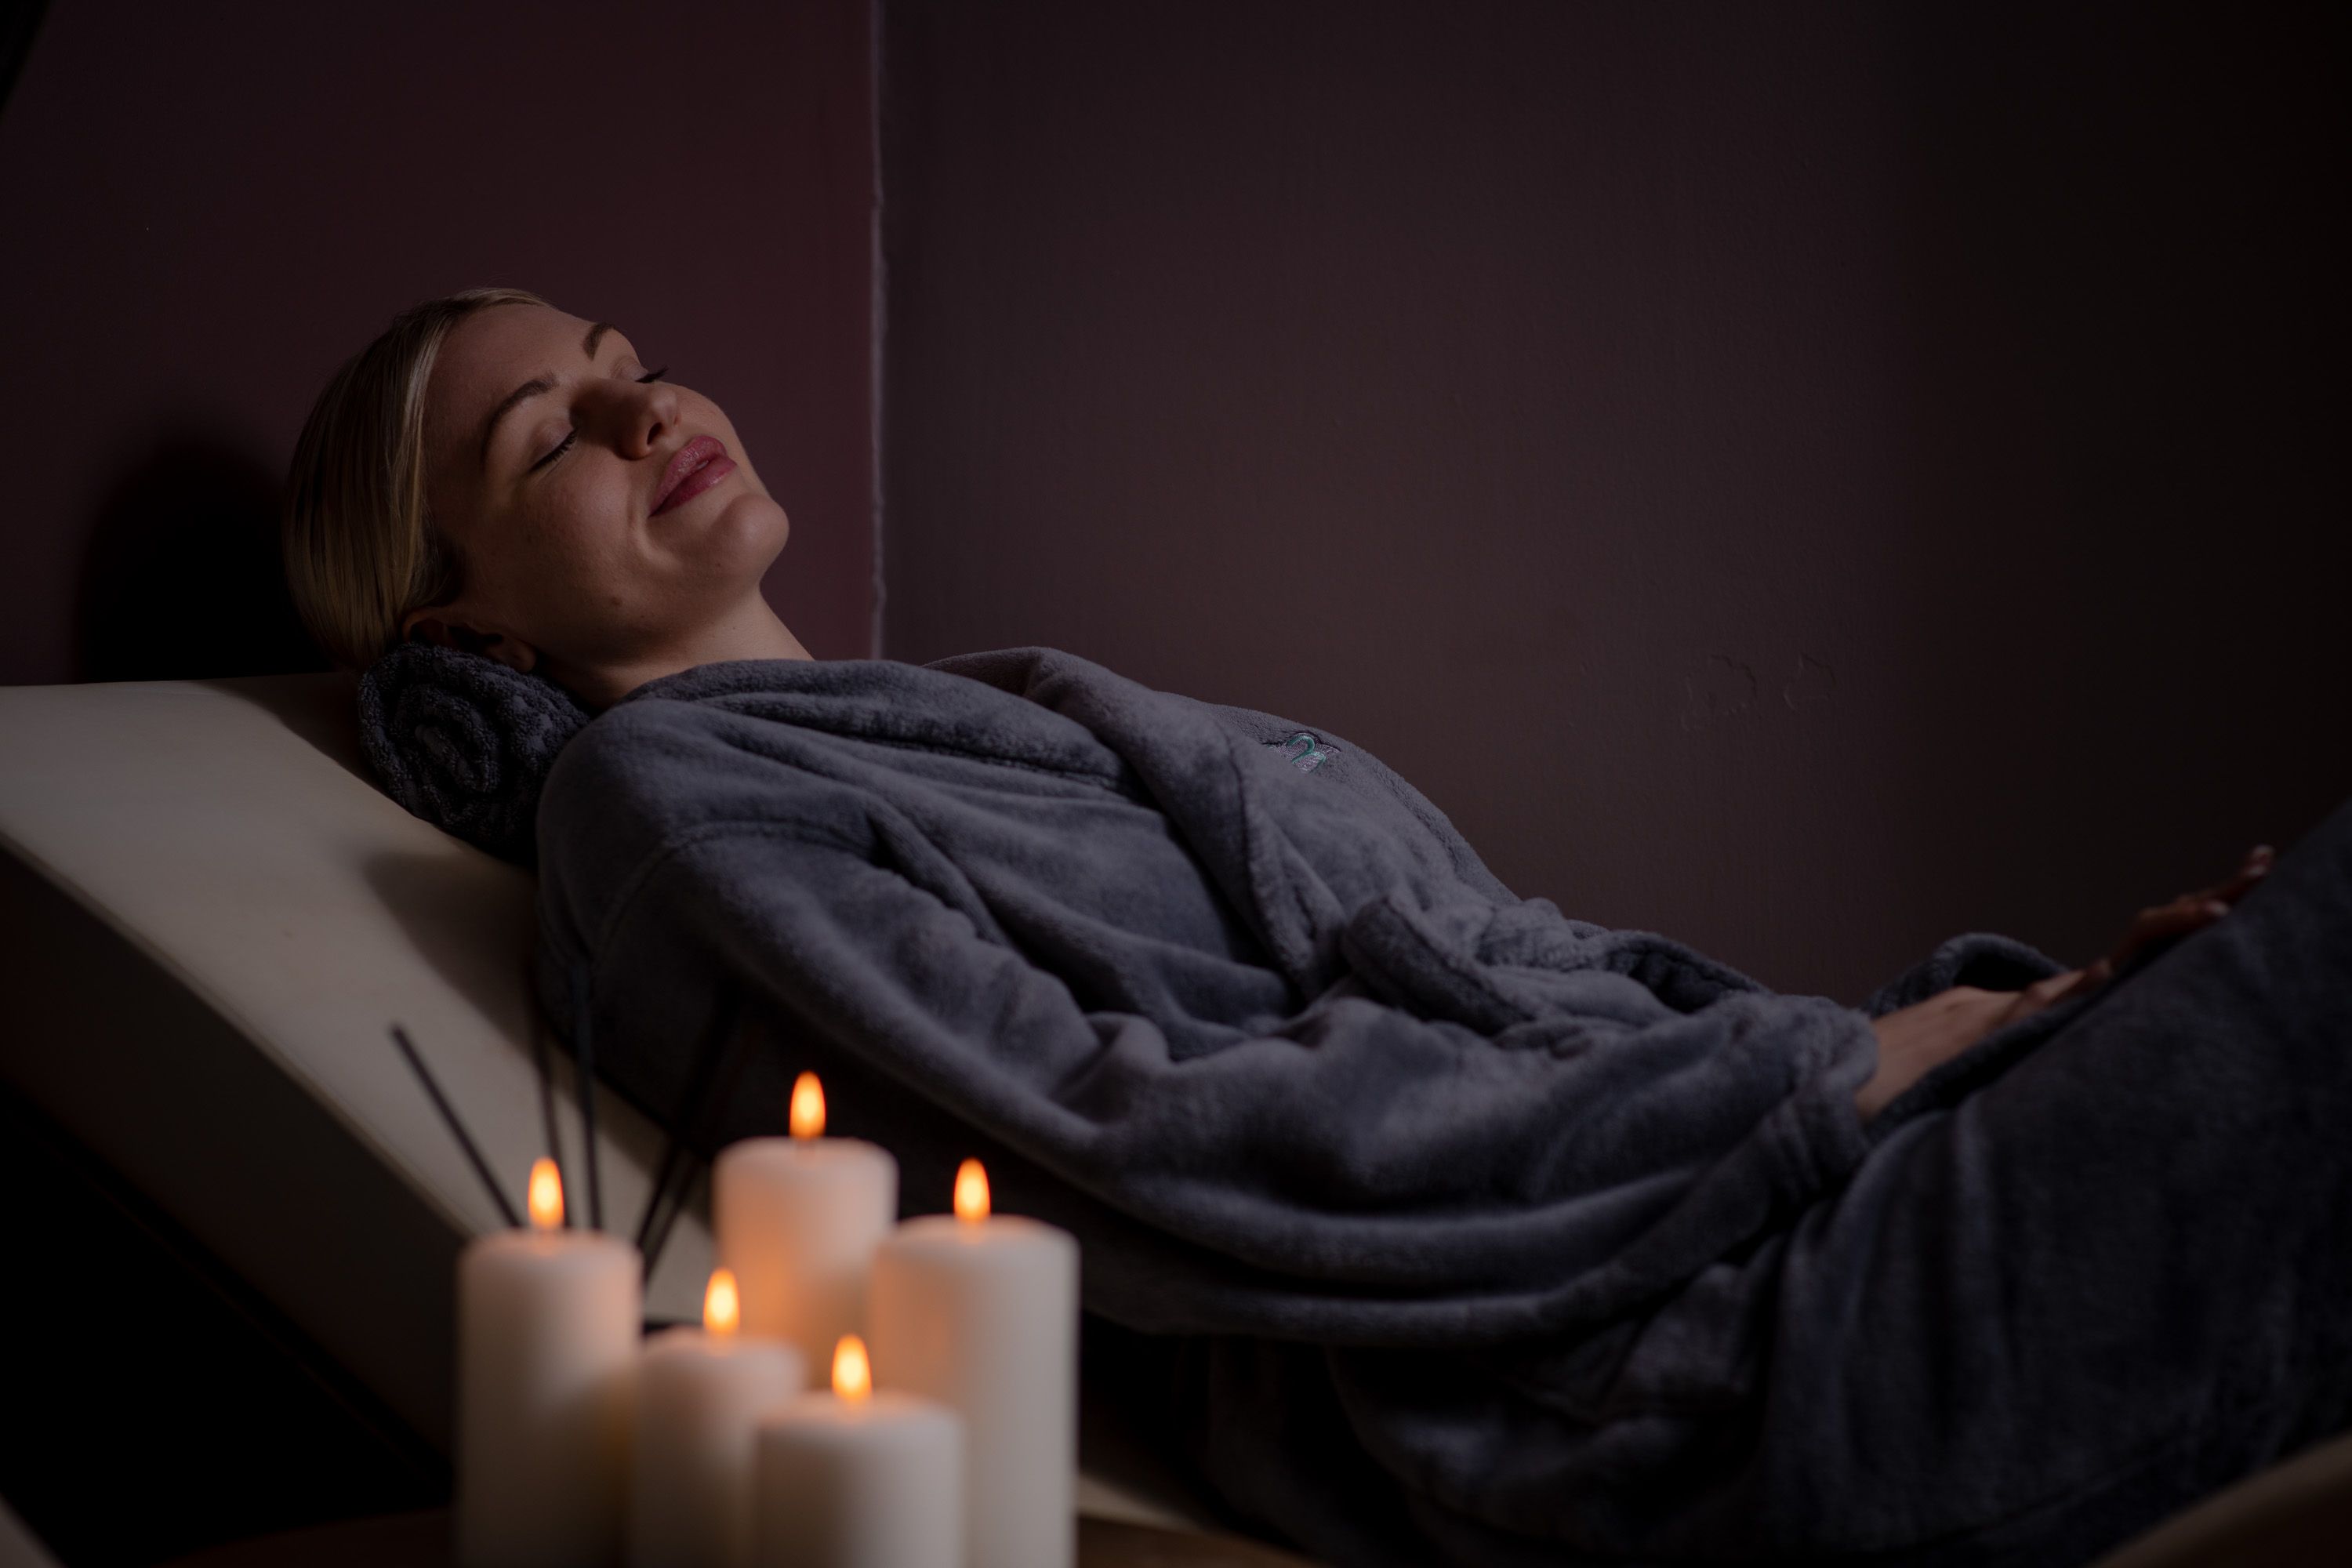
579	531
556	568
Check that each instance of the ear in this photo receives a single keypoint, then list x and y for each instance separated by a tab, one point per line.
444	631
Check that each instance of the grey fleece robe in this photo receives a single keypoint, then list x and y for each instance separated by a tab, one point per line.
1218	992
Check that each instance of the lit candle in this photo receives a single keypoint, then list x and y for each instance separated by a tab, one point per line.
797	1220
700	1394
860	1478
980	1312
548	1321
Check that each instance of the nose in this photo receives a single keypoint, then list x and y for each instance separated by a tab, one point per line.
643	415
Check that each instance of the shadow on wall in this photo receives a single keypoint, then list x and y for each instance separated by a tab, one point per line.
184	578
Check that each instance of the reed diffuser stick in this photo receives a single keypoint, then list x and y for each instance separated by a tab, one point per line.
690	1110
584	1053
449	1115
706	1129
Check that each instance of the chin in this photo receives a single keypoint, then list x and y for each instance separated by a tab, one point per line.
748	531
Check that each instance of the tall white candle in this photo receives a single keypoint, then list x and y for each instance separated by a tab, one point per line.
860	1478
797	1221
700	1394
548	1321
980	1312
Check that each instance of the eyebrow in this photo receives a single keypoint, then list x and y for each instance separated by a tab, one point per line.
532	388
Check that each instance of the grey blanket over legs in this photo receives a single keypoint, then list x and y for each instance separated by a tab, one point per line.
1237	1004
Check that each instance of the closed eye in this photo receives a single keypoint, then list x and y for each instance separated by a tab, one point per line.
574	435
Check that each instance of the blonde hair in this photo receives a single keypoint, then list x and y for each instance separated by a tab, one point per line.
359	550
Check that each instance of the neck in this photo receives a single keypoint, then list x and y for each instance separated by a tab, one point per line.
751	630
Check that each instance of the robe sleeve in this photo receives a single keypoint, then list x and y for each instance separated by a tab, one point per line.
1988	959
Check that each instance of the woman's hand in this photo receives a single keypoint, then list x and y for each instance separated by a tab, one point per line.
1913	1039
2164	924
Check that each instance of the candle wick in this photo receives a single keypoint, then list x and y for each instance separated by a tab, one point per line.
539	1055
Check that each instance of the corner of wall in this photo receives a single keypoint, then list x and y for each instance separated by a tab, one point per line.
878	310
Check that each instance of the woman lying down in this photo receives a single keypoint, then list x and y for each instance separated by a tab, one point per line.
1471	1232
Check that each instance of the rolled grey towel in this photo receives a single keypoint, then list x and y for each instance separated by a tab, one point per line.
465	742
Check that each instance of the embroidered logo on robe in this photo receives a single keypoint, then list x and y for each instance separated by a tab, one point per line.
1303	751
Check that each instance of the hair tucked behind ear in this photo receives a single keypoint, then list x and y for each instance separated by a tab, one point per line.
360	551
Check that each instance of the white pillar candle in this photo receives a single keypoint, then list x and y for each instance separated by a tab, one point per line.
980	1312
860	1478
548	1323
797	1221
700	1394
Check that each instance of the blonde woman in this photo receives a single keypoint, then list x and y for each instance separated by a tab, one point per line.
1471	1232
589	520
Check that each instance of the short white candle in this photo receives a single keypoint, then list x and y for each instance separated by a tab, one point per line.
547	1324
860	1478
700	1394
797	1221
980	1312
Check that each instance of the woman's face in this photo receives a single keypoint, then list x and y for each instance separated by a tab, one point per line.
600	518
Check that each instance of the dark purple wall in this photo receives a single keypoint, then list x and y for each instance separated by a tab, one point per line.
1806	480
203	210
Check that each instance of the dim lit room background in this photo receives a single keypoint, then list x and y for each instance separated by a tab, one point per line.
1808	479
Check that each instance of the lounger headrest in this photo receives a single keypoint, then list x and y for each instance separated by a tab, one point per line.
466	743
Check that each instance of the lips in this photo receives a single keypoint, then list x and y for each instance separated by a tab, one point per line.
699	465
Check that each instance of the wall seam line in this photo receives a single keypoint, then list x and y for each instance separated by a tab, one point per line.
878	310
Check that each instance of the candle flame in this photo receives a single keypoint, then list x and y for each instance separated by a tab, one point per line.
808	1106
972	1192
853	1377
722	1308
546	1194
